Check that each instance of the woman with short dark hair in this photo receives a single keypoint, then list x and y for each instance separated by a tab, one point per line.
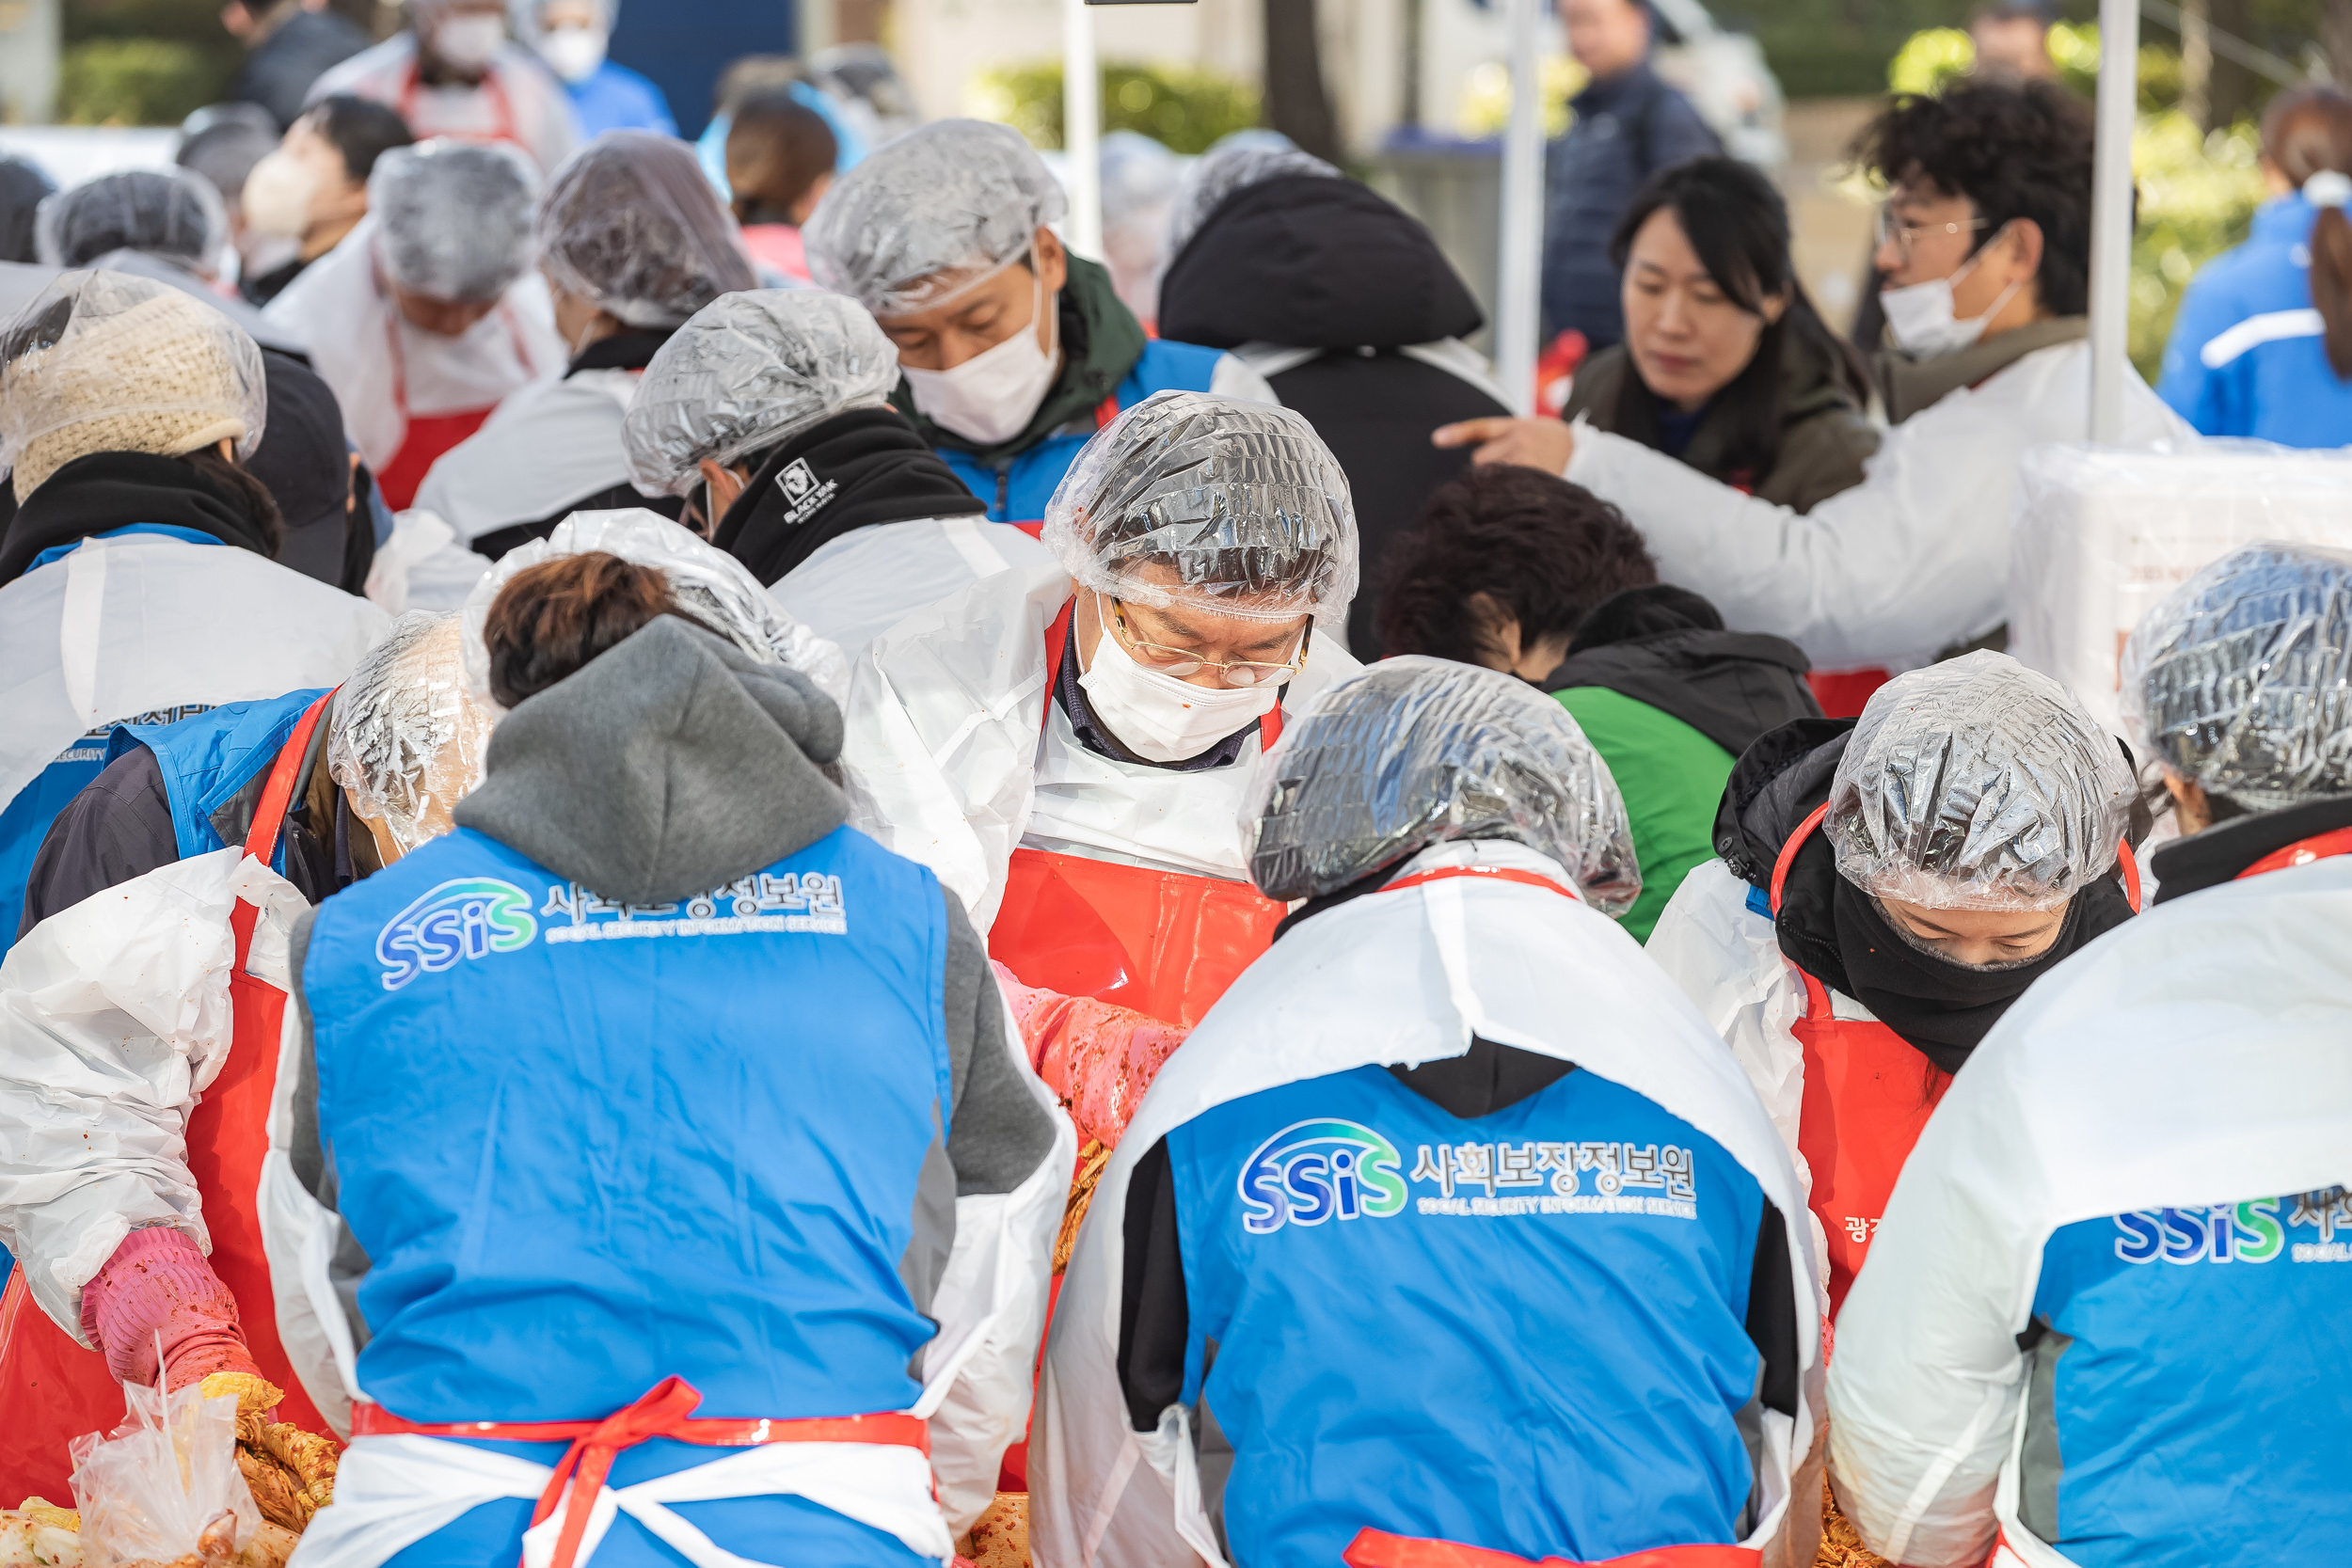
1733	370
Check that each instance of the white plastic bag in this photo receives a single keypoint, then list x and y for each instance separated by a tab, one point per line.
163	1489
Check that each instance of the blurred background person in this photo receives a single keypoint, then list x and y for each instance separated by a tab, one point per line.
631	241
570	37
129	414
1529	575
1141	179
454	72
313	190
2263	344
771	412
223	142
2013	40
1930	860
781	157
24	184
1354	317
165	225
754	75
1013	350
321	488
1733	371
428	314
288	44
1629	126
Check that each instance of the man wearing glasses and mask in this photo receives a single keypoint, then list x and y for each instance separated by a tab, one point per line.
1985	248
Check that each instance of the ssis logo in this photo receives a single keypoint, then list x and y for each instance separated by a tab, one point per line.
468	918
1311	1171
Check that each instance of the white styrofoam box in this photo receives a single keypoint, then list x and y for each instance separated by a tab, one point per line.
2101	535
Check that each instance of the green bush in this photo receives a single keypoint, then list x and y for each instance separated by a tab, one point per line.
133	82
2197	192
1933	57
1183	109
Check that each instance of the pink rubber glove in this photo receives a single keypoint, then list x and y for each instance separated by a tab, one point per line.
159	1282
1098	1057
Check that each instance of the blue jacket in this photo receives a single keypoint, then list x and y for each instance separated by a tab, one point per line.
615	98
1524	1331
1627	129
2245	357
1017	491
2147	1312
578	1165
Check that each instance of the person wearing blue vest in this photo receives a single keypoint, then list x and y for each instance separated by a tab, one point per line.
1452	1235
2263	344
139	1030
570	37
2105	1322
1013	350
665	1117
127	414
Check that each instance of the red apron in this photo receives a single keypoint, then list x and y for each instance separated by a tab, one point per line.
502	128
51	1390
1374	1548
1164	942
428	436
664	1411
1868	1093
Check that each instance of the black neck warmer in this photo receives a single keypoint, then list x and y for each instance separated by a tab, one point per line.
112	489
1840	935
2224	850
632	348
852	471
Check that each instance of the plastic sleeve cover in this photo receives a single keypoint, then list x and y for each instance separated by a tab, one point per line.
1977	784
1417	751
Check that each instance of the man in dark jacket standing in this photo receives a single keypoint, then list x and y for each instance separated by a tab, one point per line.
1629	126
289	45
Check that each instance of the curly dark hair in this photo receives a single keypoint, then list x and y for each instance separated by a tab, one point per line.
1506	541
2013	150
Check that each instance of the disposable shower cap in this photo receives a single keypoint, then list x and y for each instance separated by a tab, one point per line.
405	737
1418	750
750	370
1226	168
1237	508
718	589
172	212
2241	679
632	223
103	362
930	215
454	217
1977	784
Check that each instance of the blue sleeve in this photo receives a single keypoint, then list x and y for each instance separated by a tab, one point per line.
2184	382
656	110
1677	135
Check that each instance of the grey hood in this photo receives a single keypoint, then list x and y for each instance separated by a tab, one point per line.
673	764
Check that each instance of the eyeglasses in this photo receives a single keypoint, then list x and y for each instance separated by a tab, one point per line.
1905	235
1178	663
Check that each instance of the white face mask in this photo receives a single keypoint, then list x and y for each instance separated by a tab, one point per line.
1158	717
276	195
469	42
1919	316
572	52
992	397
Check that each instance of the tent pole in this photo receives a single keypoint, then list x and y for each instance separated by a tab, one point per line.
2111	216
1519	291
1081	127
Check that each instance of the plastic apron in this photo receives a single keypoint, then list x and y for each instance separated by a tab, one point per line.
1868	1093
51	1390
428	436
1164	942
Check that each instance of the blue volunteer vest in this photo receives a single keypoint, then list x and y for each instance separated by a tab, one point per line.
1524	1332
206	760
587	1145
2202	1412
1017	492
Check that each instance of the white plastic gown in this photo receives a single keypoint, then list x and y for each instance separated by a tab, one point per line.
1409	977
551	445
955	755
519	100
2097	1094
136	625
383	370
855	587
1912	561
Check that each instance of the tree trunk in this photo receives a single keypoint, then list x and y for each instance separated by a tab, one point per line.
2196	63
1296	102
2335	37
